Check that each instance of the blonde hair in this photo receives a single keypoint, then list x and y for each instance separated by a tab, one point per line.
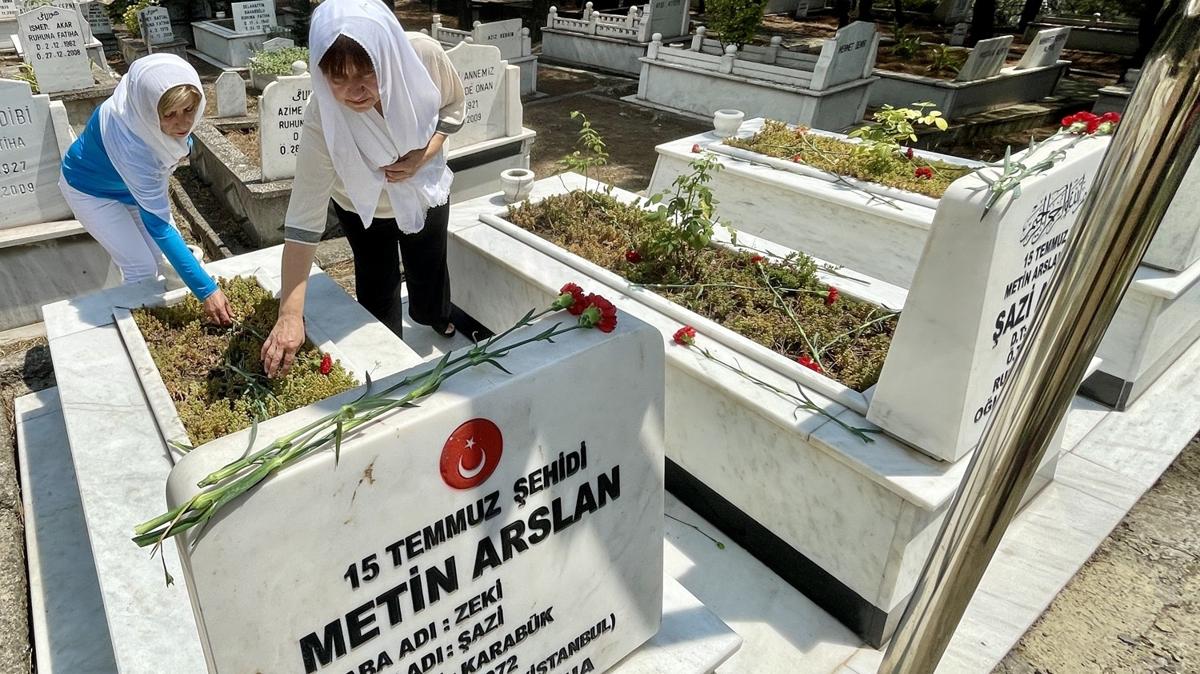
178	97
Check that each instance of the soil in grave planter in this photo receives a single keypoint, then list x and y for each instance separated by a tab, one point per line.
850	336
922	63
215	375
245	140
777	139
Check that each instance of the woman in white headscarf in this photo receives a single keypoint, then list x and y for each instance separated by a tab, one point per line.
115	174
383	103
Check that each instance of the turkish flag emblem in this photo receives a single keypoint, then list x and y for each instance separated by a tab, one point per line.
471	453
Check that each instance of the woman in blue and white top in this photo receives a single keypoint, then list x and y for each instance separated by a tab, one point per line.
115	175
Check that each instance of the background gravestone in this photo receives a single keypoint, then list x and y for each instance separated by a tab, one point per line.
8	23
156	25
482	73
277	43
430	548
1045	48
253	17
280	119
849	56
986	59
54	45
97	18
668	17
972	301
29	159
503	35
231	95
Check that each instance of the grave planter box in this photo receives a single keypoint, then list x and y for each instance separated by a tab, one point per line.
223	46
826	91
133	48
611	40
957	99
848	523
1110	37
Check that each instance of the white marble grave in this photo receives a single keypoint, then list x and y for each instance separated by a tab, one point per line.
1045	48
277	43
986	59
612	41
493	125
972	301
473	517
231	95
156	26
56	47
280	119
828	90
254	16
508	36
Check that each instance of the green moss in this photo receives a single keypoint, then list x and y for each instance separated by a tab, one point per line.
215	375
778	140
601	229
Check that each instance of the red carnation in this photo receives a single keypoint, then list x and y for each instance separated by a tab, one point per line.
599	314
1093	123
685	335
1069	120
755	259
908	153
570	297
831	296
633	257
326	364
695	148
923	172
797	158
809	363
1113	117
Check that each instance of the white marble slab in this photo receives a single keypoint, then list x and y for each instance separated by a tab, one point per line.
68	626
691	638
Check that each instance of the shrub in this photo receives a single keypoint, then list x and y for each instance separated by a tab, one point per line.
735	21
277	62
130	17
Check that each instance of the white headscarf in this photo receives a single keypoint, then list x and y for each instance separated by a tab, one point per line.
143	155
360	144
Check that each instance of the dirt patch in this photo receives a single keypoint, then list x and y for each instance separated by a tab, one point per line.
245	140
1135	606
631	132
417	15
223	223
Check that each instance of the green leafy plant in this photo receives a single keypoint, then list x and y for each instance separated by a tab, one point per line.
907	43
684	220
735	21
590	149
881	141
277	62
943	59
25	74
130	17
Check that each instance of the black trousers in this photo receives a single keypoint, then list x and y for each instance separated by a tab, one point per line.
378	251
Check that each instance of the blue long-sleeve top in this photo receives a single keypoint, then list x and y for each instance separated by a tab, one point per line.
87	168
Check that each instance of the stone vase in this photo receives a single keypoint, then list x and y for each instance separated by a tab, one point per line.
516	184
727	122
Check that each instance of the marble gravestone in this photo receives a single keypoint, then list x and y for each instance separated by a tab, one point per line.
97	18
849	56
1176	244
669	17
29	159
8	24
504	525
231	95
1045	48
156	25
958	36
482	73
253	17
986	59
972	301
277	43
504	35
280	119
54	44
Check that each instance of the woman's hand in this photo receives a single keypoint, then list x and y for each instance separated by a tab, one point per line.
409	164
217	309
281	346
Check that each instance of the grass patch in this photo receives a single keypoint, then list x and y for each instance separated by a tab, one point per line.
848	337
215	375
777	139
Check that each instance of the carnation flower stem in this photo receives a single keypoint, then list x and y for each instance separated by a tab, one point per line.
858	329
240	476
737	286
719	544
812	349
802	402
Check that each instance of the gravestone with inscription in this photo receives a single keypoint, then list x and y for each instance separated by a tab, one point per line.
849	56
669	17
97	18
483	75
970	307
8	23
986	59
30	155
256	16
54	45
467	535
958	36
231	95
280	120
1045	48
156	25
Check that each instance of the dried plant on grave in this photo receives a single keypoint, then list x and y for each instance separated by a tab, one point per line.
25	74
590	150
327	433
215	375
886	162
1012	172
780	304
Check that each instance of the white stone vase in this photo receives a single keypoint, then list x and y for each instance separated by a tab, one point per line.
516	184
727	122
